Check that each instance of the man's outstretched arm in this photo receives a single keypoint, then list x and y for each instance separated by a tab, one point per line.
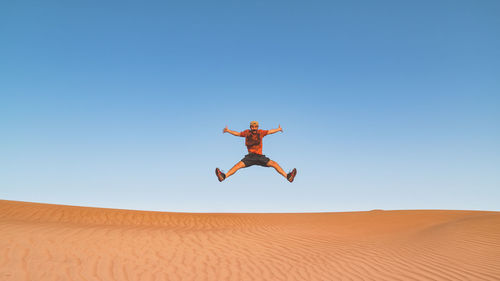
279	129
231	132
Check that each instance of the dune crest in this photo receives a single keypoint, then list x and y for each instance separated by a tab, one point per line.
56	242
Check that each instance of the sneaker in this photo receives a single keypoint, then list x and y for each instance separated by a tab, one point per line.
220	175
290	176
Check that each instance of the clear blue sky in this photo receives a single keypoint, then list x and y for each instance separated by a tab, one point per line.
121	104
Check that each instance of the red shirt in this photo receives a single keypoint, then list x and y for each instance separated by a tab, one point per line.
254	141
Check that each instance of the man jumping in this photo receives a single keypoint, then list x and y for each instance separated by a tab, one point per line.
253	142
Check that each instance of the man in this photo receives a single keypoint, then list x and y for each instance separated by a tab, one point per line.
253	141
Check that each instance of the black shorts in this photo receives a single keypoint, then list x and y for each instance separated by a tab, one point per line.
255	159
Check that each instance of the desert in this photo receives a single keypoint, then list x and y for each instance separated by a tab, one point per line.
59	242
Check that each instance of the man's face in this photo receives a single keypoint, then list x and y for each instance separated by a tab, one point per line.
254	128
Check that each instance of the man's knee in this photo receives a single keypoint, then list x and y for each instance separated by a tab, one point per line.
241	164
271	163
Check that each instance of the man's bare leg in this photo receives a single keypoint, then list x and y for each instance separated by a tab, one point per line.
235	168
275	165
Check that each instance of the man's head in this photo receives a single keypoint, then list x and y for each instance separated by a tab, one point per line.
254	126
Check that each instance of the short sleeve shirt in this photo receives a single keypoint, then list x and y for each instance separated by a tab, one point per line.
254	141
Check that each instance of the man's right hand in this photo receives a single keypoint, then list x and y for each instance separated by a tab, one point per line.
225	130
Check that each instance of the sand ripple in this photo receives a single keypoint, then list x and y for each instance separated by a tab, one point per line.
55	242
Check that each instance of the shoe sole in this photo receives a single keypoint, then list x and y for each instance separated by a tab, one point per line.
292	175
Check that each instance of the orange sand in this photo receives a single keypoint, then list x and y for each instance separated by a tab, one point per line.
55	242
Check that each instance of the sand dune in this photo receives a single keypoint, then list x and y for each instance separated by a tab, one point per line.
56	242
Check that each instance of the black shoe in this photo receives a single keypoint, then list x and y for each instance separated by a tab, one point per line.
290	176
220	175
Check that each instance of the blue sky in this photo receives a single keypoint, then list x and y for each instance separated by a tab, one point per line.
121	104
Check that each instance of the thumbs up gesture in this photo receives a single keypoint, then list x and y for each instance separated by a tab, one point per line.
279	128
225	130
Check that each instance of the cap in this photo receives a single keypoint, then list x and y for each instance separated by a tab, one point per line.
254	123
